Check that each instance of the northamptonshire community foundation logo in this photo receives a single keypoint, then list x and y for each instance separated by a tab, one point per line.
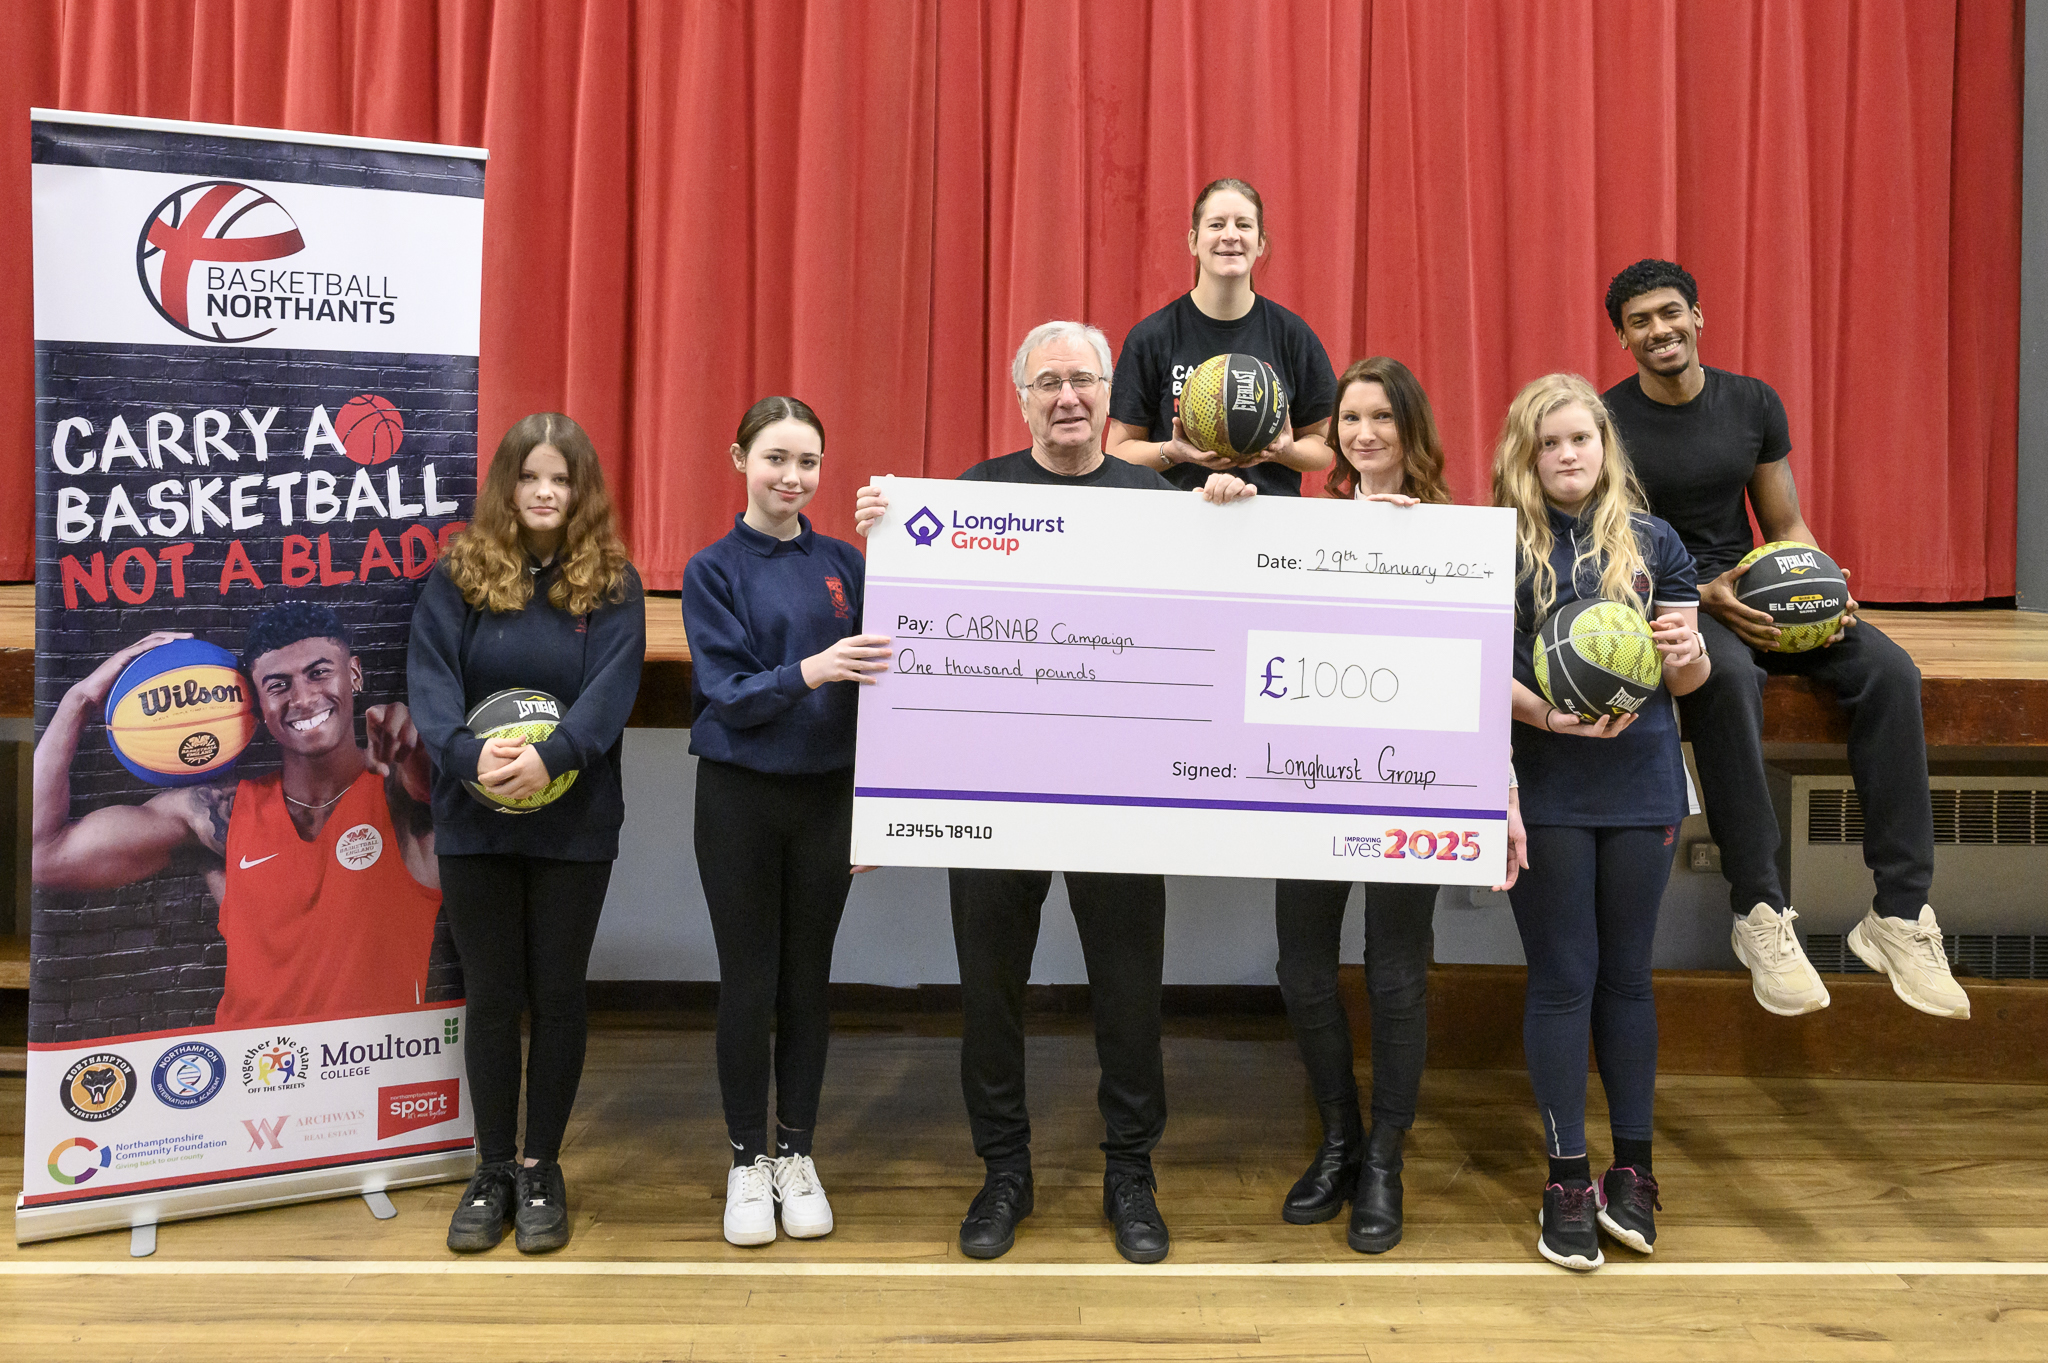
275	1065
98	1087
104	1159
188	1075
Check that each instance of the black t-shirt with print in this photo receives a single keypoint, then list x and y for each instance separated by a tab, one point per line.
1163	348
1022	468
1696	459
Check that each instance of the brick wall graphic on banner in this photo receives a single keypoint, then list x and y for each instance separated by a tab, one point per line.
256	406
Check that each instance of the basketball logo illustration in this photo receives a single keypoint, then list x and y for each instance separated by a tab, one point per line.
212	222
370	428
97	1087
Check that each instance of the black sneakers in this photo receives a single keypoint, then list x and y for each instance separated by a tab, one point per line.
1628	1202
484	1209
541	1220
1140	1230
1570	1237
991	1225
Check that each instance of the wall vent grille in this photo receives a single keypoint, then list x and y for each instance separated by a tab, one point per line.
1984	818
1978	955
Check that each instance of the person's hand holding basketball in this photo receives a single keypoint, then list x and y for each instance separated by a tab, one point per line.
511	769
1679	642
99	684
1849	609
1752	626
1181	450
1607	726
395	747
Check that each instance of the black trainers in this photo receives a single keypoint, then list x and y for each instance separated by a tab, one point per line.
484	1209
1570	1238
1140	1230
541	1220
991	1225
1628	1200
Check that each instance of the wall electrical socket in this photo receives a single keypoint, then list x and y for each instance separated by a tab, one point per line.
1703	856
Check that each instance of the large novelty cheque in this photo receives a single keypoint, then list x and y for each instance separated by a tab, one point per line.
1113	680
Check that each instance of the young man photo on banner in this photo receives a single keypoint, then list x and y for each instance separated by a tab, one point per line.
324	871
1703	440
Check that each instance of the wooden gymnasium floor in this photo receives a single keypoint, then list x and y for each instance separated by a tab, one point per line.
1804	1219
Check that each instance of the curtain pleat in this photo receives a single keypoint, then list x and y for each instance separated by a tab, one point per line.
693	205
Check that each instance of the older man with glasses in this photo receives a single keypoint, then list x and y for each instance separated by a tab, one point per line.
1062	376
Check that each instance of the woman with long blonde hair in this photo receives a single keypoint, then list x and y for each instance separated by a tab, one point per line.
1602	815
536	594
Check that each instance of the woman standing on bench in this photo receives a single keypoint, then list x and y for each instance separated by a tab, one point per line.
773	614
1388	450
1602	815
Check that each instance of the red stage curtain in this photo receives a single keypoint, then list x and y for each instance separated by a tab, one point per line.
866	204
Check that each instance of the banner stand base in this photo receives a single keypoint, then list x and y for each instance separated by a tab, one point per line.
142	1212
380	1206
142	1241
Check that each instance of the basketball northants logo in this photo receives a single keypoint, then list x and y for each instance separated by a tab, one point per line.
213	222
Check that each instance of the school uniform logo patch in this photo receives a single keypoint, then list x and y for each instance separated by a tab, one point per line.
836	589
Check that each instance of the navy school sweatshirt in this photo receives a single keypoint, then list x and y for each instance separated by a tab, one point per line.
591	663
755	607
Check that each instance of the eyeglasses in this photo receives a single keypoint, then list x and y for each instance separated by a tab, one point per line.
1049	385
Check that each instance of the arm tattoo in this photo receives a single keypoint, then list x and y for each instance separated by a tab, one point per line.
219	804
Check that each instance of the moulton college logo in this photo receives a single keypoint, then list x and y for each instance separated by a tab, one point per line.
98	1087
188	1075
203	258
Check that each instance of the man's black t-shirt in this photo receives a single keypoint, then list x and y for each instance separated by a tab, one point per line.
1163	348
1696	459
1022	468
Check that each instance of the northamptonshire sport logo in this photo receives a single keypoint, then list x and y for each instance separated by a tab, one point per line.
188	1075
212	222
104	1160
925	527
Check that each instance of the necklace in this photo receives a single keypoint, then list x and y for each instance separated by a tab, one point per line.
304	804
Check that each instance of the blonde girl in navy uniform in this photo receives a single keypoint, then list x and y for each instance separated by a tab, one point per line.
773	616
1602	803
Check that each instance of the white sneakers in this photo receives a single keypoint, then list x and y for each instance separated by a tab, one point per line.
750	1202
752	1190
1910	952
1783	980
805	1212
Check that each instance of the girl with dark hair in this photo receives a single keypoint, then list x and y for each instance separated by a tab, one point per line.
536	593
1219	316
1602	816
1388	450
773	616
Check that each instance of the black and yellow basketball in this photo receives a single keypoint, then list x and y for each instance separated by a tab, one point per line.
1232	405
528	714
1799	587
1596	658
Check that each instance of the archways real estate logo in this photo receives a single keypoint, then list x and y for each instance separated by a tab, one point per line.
212	222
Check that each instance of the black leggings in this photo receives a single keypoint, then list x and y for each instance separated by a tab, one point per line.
1308	919
523	927
1587	910
772	853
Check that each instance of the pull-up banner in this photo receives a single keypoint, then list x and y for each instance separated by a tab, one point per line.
256	405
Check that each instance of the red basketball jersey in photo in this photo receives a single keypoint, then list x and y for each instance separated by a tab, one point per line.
334	927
